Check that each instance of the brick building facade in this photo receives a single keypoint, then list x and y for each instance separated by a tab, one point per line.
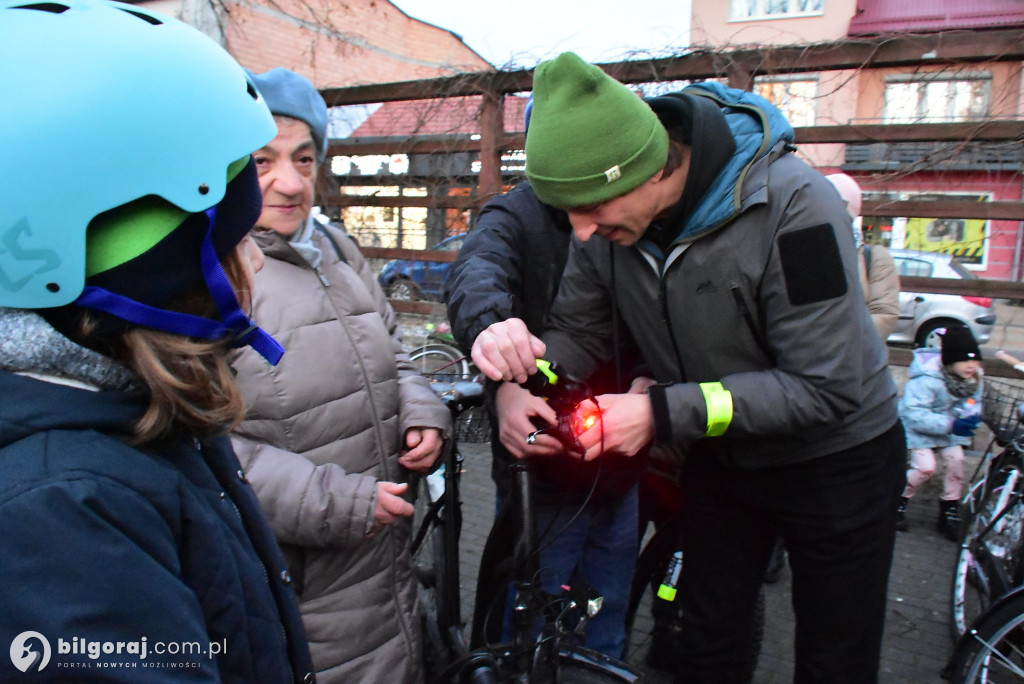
334	43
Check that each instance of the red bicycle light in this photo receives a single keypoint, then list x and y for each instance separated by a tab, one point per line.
586	419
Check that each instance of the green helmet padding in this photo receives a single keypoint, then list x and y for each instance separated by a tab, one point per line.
120	235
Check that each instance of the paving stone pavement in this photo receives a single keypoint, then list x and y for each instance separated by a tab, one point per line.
917	639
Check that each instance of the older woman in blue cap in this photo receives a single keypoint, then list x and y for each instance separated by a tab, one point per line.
334	430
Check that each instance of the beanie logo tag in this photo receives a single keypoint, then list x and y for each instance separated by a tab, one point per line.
613	174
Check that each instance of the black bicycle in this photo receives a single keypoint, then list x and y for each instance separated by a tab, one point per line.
990	561
660	563
552	656
435	547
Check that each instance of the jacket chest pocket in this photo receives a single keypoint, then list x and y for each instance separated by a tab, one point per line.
720	320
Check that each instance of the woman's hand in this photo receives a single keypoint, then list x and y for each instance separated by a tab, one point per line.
423	448
390	504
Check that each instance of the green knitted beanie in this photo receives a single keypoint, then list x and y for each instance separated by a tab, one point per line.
591	138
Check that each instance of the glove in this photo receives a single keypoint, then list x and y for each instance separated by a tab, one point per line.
965	427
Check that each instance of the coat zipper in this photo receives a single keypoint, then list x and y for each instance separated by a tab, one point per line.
263	567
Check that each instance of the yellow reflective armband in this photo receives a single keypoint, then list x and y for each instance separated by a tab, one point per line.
719	405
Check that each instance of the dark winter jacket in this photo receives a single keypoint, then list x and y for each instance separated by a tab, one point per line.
755	286
107	543
509	267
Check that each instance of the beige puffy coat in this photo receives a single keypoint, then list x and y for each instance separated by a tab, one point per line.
322	428
881	285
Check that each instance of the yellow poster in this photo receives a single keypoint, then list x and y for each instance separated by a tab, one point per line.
964	238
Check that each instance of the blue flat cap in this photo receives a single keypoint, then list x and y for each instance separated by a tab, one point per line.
291	94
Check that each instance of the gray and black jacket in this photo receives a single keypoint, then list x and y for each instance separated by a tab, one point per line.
754	286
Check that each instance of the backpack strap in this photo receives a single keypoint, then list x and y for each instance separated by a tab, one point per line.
330	238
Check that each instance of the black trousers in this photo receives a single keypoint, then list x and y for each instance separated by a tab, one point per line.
837	516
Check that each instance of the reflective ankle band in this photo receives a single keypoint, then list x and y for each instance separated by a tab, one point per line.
719	405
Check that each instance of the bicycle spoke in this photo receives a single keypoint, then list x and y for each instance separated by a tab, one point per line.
997	657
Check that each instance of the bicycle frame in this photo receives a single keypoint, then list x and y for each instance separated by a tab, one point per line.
457	397
541	658
994	575
547	659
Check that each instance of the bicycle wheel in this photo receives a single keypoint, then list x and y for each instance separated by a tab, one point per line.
989	560
440	362
994	647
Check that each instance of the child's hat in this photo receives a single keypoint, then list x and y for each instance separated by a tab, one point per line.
958	344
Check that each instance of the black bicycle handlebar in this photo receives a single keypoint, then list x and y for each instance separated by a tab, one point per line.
461	395
563	394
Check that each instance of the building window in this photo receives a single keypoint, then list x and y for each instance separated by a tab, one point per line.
741	10
937	97
795	97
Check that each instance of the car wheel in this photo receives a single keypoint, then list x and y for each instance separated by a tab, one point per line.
928	334
400	288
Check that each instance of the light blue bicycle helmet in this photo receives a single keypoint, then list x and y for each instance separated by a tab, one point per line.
104	105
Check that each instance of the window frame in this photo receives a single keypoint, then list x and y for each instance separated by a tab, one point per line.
785	79
922	80
763	12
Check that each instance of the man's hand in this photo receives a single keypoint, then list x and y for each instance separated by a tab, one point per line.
390	504
625	427
515	405
423	448
507	351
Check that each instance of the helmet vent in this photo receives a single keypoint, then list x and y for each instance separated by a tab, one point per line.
52	7
251	89
148	18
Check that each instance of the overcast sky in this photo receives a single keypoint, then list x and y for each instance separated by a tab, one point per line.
521	33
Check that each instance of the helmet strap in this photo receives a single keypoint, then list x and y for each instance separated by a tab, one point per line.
234	323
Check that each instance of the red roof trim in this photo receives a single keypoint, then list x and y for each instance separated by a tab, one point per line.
908	16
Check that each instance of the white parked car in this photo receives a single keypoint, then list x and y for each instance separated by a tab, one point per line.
923	314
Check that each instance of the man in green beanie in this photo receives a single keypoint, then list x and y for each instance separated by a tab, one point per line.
731	263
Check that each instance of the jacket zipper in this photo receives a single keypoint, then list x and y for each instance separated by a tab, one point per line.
755	330
263	567
663	299
386	474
